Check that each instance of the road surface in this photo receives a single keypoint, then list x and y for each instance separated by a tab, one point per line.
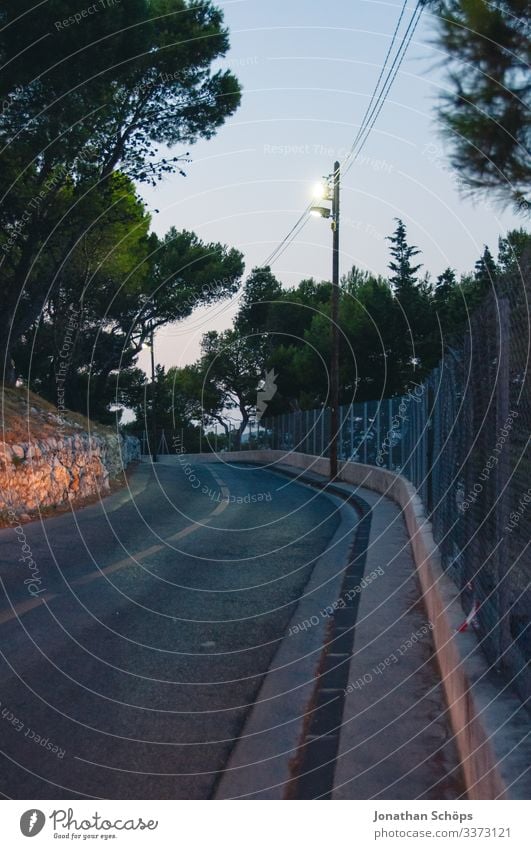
157	613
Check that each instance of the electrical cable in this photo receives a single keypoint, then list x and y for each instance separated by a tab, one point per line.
370	117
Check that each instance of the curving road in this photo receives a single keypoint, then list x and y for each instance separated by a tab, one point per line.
157	613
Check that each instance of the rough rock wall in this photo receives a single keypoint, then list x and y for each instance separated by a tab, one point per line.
51	471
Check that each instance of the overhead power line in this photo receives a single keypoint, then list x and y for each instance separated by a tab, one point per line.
375	106
376	103
295	230
368	113
364	132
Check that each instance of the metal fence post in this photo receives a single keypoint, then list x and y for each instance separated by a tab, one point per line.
502	474
365	432
390	433
378	437
417	448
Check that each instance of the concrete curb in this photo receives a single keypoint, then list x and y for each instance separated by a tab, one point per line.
489	723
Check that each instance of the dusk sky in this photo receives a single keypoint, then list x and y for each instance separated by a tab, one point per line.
305	89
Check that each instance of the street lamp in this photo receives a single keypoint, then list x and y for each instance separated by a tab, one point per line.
329	190
320	212
322	189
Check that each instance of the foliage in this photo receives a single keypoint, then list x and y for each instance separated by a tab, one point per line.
261	293
486	113
167	398
403	279
95	101
392	333
232	368
118	283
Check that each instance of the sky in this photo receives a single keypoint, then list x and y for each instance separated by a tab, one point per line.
308	70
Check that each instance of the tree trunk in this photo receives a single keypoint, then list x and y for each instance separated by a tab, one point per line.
10	373
243	424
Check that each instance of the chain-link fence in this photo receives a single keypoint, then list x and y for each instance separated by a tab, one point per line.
462	438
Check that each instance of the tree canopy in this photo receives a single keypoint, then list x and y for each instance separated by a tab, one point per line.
95	104
486	112
392	333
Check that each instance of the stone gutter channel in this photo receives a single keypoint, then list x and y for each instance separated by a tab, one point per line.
274	747
315	765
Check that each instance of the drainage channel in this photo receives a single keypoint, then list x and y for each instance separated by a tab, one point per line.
316	762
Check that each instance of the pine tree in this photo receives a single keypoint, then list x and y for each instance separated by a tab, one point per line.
404	277
485	271
414	316
485	113
511	251
445	284
262	290
448	302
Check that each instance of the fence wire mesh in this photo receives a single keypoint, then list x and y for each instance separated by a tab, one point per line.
462	438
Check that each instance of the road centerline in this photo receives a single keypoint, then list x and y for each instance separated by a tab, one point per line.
26	606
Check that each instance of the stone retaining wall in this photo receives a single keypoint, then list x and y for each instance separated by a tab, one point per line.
52	471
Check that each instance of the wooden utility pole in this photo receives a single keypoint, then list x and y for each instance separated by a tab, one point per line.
153	399
334	361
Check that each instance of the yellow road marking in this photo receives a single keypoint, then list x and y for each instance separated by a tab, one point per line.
24	607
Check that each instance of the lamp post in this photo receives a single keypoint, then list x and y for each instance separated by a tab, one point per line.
151	346
153	398
330	191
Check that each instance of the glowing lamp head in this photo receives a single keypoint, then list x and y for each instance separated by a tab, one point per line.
322	190
319	190
320	212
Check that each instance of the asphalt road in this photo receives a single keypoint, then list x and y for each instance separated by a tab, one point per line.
157	614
